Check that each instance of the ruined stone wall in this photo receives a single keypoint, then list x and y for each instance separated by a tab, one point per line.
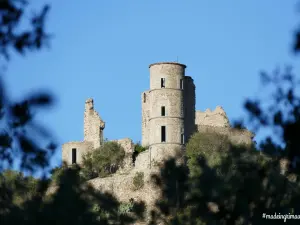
128	147
93	125
160	153
217	121
236	136
122	187
142	161
156	155
216	118
81	149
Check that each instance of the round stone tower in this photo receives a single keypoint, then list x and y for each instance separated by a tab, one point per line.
163	110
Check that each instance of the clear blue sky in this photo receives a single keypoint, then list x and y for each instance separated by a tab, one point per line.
102	49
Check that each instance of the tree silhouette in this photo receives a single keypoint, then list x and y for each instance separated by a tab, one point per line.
19	134
221	183
37	201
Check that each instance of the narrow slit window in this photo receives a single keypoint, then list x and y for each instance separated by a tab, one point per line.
144	97
181	84
74	155
162	82
163	134
182	139
163	111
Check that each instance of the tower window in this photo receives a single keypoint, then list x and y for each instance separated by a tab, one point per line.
163	133
162	82
181	84
182	139
163	111
144	97
73	155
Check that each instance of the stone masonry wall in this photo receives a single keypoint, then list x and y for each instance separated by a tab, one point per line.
81	149
171	97
172	72
142	161
128	147
236	136
216	118
122	187
217	121
93	125
157	155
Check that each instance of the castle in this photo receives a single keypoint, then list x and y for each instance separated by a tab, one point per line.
169	119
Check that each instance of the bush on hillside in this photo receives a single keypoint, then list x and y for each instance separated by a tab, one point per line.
209	145
103	161
57	172
138	181
17	188
138	148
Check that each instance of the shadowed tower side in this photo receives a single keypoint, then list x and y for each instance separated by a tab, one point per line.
189	107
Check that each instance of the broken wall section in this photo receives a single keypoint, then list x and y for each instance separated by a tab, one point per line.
81	148
216	118
217	121
235	135
128	147
93	125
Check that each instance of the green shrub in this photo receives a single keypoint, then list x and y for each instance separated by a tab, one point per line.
138	181
210	146
138	148
103	161
126	207
21	188
56	173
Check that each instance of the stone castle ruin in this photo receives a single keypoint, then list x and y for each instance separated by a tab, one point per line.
169	119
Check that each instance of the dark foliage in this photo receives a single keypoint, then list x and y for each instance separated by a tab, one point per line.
138	148
281	114
20	136
12	13
103	161
68	203
234	186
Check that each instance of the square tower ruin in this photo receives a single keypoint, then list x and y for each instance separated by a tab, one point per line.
72	152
